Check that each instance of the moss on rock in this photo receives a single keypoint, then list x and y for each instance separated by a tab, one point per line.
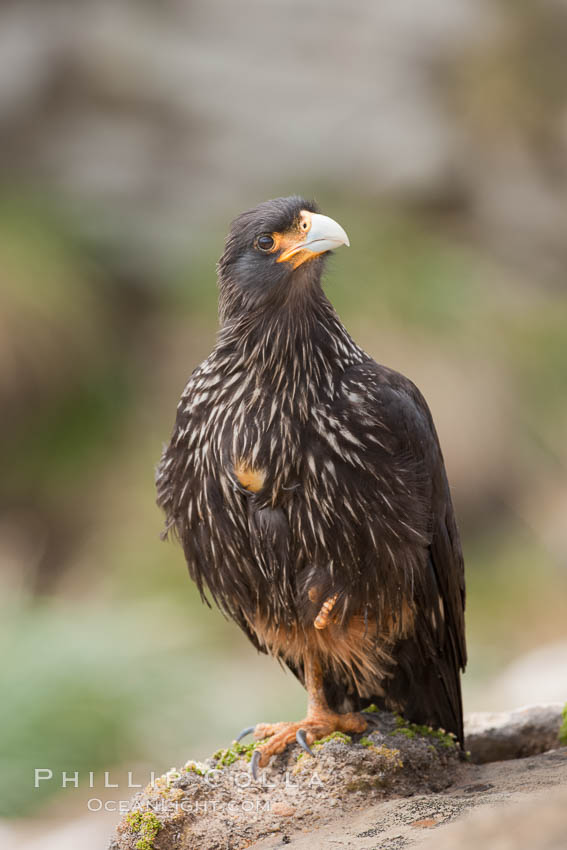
563	729
334	736
226	757
413	730
147	825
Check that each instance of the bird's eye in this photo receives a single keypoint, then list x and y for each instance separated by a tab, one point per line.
265	242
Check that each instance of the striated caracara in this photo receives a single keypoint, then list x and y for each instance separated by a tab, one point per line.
307	487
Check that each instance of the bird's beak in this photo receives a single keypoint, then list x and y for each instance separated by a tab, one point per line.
317	234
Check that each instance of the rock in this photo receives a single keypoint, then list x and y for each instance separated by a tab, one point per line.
512	805
217	804
495	736
283	809
538	822
397	784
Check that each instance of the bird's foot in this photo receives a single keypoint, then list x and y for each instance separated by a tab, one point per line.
305	732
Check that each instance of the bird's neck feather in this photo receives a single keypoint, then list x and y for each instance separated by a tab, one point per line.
296	347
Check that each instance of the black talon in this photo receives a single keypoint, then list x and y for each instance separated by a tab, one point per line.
300	738
244	733
254	763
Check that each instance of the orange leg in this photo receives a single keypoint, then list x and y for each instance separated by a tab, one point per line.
319	723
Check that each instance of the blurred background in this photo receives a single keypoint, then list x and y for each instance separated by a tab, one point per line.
131	133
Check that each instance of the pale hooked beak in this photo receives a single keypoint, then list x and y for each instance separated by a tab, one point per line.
318	233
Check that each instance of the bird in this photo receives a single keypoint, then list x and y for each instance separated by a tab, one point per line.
306	485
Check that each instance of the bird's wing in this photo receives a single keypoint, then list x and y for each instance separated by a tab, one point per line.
388	406
182	445
202	511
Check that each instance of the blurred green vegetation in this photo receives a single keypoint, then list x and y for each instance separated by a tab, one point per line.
108	654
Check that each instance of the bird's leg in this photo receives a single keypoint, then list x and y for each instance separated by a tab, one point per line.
320	721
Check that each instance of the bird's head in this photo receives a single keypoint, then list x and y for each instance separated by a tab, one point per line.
274	252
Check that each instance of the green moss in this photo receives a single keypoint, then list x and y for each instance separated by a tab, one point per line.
413	730
134	820
366	742
371	709
224	758
563	730
192	767
334	736
405	730
146	825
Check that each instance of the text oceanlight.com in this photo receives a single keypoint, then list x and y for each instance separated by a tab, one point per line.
197	807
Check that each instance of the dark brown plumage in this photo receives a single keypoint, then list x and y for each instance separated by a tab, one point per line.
307	487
